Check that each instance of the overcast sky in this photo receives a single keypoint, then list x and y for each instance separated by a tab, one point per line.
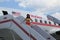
38	7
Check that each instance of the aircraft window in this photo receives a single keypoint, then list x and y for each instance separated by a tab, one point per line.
45	22
49	22
36	20
40	21
5	12
59	24
54	23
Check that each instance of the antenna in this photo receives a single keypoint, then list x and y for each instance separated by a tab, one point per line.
5	12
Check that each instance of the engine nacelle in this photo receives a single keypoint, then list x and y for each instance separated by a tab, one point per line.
57	32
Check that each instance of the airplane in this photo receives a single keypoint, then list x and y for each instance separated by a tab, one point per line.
47	25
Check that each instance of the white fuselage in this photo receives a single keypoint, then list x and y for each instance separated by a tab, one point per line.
45	24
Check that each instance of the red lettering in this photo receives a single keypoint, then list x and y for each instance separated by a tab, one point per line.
35	16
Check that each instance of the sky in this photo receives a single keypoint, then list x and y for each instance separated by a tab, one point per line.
37	7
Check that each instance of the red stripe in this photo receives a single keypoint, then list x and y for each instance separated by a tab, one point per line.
5	21
33	23
46	24
20	28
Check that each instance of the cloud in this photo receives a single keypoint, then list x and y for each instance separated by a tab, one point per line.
39	13
22	4
56	15
41	7
4	0
39	4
